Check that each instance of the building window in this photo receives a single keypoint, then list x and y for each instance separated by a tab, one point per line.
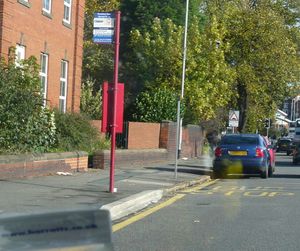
44	75
20	54
63	86
67	11
25	3
47	6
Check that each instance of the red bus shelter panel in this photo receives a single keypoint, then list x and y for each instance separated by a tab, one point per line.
107	107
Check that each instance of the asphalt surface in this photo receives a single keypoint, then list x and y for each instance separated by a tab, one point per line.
90	190
231	214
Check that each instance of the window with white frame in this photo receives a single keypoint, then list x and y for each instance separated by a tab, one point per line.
44	75
47	6
67	11
63	86
20	54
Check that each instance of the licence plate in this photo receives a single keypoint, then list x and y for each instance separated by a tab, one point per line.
237	153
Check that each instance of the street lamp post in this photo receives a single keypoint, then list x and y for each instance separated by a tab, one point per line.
179	120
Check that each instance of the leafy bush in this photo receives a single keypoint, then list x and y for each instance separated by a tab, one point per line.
74	132
91	101
156	105
26	126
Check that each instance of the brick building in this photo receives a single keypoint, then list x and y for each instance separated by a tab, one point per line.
52	31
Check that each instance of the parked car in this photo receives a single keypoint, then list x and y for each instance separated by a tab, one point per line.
296	153
271	150
242	154
285	145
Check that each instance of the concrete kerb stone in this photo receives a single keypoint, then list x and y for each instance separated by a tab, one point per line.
139	201
132	204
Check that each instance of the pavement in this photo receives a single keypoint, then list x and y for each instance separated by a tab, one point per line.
136	189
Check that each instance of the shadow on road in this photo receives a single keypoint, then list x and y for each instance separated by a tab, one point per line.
200	171
286	176
285	163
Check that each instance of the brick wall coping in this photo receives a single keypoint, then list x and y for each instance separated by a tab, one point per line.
5	159
128	151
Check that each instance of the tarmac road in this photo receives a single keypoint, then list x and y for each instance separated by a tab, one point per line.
230	214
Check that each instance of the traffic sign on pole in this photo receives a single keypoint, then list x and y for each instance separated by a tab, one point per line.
234	118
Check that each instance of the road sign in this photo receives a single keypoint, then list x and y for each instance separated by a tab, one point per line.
267	123
234	118
104	27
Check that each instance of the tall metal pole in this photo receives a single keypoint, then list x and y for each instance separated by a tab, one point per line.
179	120
292	107
114	119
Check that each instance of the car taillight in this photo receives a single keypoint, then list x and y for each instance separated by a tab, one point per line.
218	152
259	153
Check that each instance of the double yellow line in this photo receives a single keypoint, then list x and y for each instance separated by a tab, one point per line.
154	209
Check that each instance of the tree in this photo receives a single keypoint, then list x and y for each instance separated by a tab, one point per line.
265	61
25	124
209	78
158	63
98	60
156	105
91	101
140	15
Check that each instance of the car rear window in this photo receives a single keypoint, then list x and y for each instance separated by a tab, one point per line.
239	140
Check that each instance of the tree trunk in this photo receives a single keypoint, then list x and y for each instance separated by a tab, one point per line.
243	106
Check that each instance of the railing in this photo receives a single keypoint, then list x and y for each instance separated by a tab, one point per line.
122	138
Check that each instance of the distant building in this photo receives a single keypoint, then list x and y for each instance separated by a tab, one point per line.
52	31
282	120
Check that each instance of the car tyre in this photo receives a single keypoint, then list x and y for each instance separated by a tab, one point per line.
216	175
265	173
270	171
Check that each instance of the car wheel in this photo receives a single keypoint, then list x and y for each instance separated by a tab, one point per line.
216	175
295	162
265	173
270	171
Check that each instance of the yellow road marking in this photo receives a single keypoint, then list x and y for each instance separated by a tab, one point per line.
142	215
250	194
152	210
194	189
216	188
229	193
272	194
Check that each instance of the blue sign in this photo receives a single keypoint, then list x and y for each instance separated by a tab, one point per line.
104	27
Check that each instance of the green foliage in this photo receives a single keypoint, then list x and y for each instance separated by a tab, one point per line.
140	15
74	133
209	78
158	63
157	55
25	125
156	105
265	61
90	101
98	60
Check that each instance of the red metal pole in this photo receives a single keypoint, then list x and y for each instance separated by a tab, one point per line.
114	119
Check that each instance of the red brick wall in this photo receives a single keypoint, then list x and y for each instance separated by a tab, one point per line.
168	137
192	139
130	158
20	166
143	135
38	33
